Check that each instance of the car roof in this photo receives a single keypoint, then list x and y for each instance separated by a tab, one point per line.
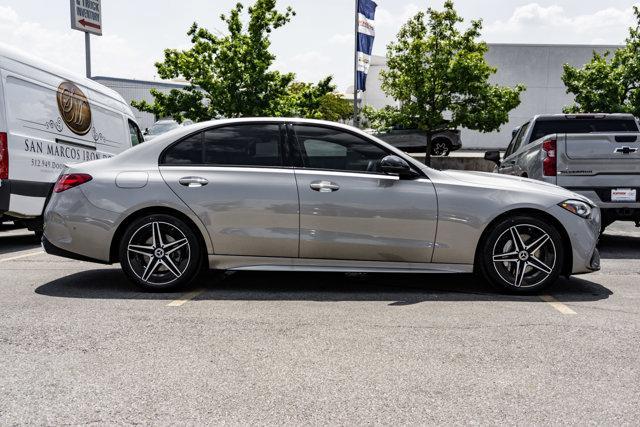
579	116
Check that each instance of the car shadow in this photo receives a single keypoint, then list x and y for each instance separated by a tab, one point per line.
616	246
397	289
13	239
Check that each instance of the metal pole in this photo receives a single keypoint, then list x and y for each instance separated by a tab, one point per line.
87	52
355	71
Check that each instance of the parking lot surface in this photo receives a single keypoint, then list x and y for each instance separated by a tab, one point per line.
79	345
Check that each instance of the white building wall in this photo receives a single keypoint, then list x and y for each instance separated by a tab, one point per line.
137	90
538	67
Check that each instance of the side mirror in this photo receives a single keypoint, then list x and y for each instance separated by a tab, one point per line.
493	156
146	131
395	165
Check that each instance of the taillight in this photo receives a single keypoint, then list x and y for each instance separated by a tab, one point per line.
71	180
549	164
4	156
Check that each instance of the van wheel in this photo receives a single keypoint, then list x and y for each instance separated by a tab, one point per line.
160	252
522	254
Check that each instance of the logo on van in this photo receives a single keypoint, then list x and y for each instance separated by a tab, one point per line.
74	108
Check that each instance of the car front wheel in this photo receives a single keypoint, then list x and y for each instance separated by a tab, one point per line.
522	254
160	252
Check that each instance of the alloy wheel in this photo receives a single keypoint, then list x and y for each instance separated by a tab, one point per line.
524	255
158	253
440	148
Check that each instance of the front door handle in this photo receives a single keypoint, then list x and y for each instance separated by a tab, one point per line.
193	181
324	186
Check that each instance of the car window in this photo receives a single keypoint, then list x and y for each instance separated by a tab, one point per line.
160	128
186	152
135	134
548	127
334	149
520	138
243	145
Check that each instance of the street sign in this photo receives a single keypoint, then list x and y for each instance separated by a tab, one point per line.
86	15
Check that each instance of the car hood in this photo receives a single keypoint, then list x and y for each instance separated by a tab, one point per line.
514	183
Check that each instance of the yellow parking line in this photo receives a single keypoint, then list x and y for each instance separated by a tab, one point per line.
556	304
186	297
21	256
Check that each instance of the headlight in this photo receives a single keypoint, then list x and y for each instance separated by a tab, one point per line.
577	207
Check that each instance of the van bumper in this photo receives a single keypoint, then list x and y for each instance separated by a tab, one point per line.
23	199
5	195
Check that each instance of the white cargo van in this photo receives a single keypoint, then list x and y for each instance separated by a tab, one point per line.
49	117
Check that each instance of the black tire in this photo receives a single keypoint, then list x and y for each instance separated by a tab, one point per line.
440	147
528	264
176	255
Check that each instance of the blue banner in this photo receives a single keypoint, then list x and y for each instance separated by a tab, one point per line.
366	35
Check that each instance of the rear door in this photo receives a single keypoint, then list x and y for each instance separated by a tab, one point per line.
235	180
349	210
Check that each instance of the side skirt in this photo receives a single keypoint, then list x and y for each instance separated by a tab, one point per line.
245	263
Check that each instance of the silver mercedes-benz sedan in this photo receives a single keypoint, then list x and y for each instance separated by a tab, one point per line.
303	195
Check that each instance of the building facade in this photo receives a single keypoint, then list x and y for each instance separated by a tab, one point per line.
538	67
138	90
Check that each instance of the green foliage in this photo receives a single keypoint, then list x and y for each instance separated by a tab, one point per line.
608	84
230	75
440	79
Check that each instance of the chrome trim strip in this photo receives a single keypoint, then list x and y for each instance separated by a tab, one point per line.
245	263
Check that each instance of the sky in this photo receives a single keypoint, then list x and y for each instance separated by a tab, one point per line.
318	41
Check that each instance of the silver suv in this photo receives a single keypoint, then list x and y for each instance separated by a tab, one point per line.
596	155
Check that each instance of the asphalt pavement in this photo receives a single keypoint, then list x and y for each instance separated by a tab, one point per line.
79	345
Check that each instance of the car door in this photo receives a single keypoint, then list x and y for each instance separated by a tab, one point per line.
235	180
351	211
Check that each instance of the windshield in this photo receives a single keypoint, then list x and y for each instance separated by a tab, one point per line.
547	127
159	128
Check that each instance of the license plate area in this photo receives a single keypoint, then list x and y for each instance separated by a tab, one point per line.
623	195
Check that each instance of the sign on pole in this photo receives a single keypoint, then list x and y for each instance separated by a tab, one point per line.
86	15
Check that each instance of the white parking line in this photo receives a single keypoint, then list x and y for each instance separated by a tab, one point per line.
556	304
186	297
21	256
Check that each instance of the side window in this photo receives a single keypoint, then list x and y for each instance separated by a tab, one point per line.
135	134
333	149
186	152
520	138
243	145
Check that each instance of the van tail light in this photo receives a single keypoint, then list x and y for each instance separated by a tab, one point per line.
67	181
4	156
550	162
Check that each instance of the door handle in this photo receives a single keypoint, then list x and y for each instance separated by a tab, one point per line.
193	181
324	186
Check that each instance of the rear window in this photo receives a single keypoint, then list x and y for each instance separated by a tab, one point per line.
547	127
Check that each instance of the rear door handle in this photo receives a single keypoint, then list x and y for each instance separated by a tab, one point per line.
324	186
193	181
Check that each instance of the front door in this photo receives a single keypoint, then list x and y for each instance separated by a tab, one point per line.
349	210
234	179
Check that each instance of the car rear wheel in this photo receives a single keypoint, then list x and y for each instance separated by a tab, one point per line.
522	254
160	252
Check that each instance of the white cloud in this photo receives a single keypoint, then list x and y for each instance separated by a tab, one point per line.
347	38
551	24
111	54
385	18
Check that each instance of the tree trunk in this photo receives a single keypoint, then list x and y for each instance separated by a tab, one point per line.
427	157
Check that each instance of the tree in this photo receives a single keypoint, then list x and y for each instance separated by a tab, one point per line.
440	79
230	75
608	84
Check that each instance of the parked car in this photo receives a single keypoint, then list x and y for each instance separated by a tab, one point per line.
50	117
415	141
595	155
305	195
160	127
